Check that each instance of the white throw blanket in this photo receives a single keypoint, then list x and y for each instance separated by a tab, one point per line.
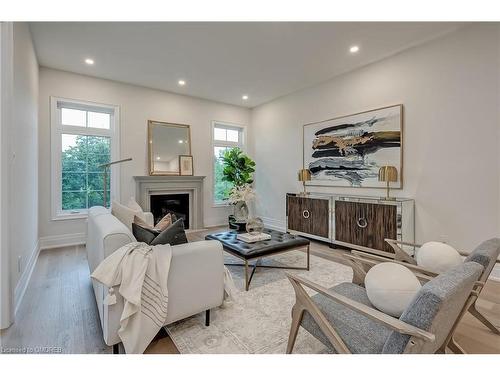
142	273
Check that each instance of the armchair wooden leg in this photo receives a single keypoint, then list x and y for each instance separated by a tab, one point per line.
297	314
455	348
473	310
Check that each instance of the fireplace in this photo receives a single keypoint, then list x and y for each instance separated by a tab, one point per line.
175	203
147	187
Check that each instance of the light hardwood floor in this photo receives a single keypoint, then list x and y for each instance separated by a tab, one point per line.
59	309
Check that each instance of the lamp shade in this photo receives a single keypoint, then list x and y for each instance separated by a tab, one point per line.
388	173
304	175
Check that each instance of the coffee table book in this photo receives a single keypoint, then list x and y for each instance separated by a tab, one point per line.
249	238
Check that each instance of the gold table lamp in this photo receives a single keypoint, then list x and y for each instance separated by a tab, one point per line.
304	175
388	174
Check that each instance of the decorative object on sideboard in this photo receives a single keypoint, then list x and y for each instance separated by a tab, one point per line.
166	141
348	151
186	165
304	176
105	178
388	174
238	171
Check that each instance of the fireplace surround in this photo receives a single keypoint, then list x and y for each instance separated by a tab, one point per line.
148	186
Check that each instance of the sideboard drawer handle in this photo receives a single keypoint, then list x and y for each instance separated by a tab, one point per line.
306	214
362	222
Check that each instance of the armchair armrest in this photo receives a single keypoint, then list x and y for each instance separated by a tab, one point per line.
382	318
379	259
421	273
394	244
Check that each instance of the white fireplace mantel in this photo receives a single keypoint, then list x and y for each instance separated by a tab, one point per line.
145	186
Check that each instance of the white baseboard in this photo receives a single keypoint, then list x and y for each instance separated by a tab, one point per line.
24	280
51	242
274	224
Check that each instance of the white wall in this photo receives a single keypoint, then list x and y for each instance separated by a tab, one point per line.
24	148
449	88
137	105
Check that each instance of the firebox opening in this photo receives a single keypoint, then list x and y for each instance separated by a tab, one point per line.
177	204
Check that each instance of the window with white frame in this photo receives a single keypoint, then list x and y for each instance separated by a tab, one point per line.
225	136
84	136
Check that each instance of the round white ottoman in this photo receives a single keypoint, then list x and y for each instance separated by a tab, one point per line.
391	287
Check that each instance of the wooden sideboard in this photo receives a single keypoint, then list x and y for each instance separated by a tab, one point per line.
345	219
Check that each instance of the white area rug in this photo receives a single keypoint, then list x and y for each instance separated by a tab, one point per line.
258	321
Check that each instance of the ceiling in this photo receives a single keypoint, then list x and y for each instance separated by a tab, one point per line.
224	61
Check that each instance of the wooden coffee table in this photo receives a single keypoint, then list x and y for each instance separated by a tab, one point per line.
280	242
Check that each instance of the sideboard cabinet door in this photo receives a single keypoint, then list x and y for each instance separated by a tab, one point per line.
309	215
365	224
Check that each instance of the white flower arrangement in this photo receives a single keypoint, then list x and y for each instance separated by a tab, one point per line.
243	193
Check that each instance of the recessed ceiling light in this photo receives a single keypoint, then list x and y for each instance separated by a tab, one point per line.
181	141
157	158
244	97
354	49
89	61
181	82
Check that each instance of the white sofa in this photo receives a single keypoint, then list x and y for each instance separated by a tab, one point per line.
195	280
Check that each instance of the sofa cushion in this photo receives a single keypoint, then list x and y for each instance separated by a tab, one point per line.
359	333
124	214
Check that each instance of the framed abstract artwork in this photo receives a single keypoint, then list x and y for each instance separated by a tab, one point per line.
348	151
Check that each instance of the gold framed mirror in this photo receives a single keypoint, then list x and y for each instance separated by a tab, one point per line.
166	141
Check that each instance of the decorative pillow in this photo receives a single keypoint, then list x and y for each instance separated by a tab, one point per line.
163	224
391	287
173	235
437	257
124	213
144	234
133	205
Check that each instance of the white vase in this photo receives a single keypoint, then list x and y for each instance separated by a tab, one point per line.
241	211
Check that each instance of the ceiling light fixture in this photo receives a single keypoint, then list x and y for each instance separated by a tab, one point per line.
89	61
157	158
244	97
181	82
354	49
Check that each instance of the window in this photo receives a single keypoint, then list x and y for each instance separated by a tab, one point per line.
225	136
84	136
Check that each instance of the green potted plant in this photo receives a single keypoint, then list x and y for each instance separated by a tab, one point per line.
238	171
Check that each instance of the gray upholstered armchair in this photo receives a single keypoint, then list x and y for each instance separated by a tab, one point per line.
485	254
343	318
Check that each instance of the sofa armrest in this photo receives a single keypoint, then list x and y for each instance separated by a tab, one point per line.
195	279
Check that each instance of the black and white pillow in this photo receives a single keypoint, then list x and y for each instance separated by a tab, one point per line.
173	235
